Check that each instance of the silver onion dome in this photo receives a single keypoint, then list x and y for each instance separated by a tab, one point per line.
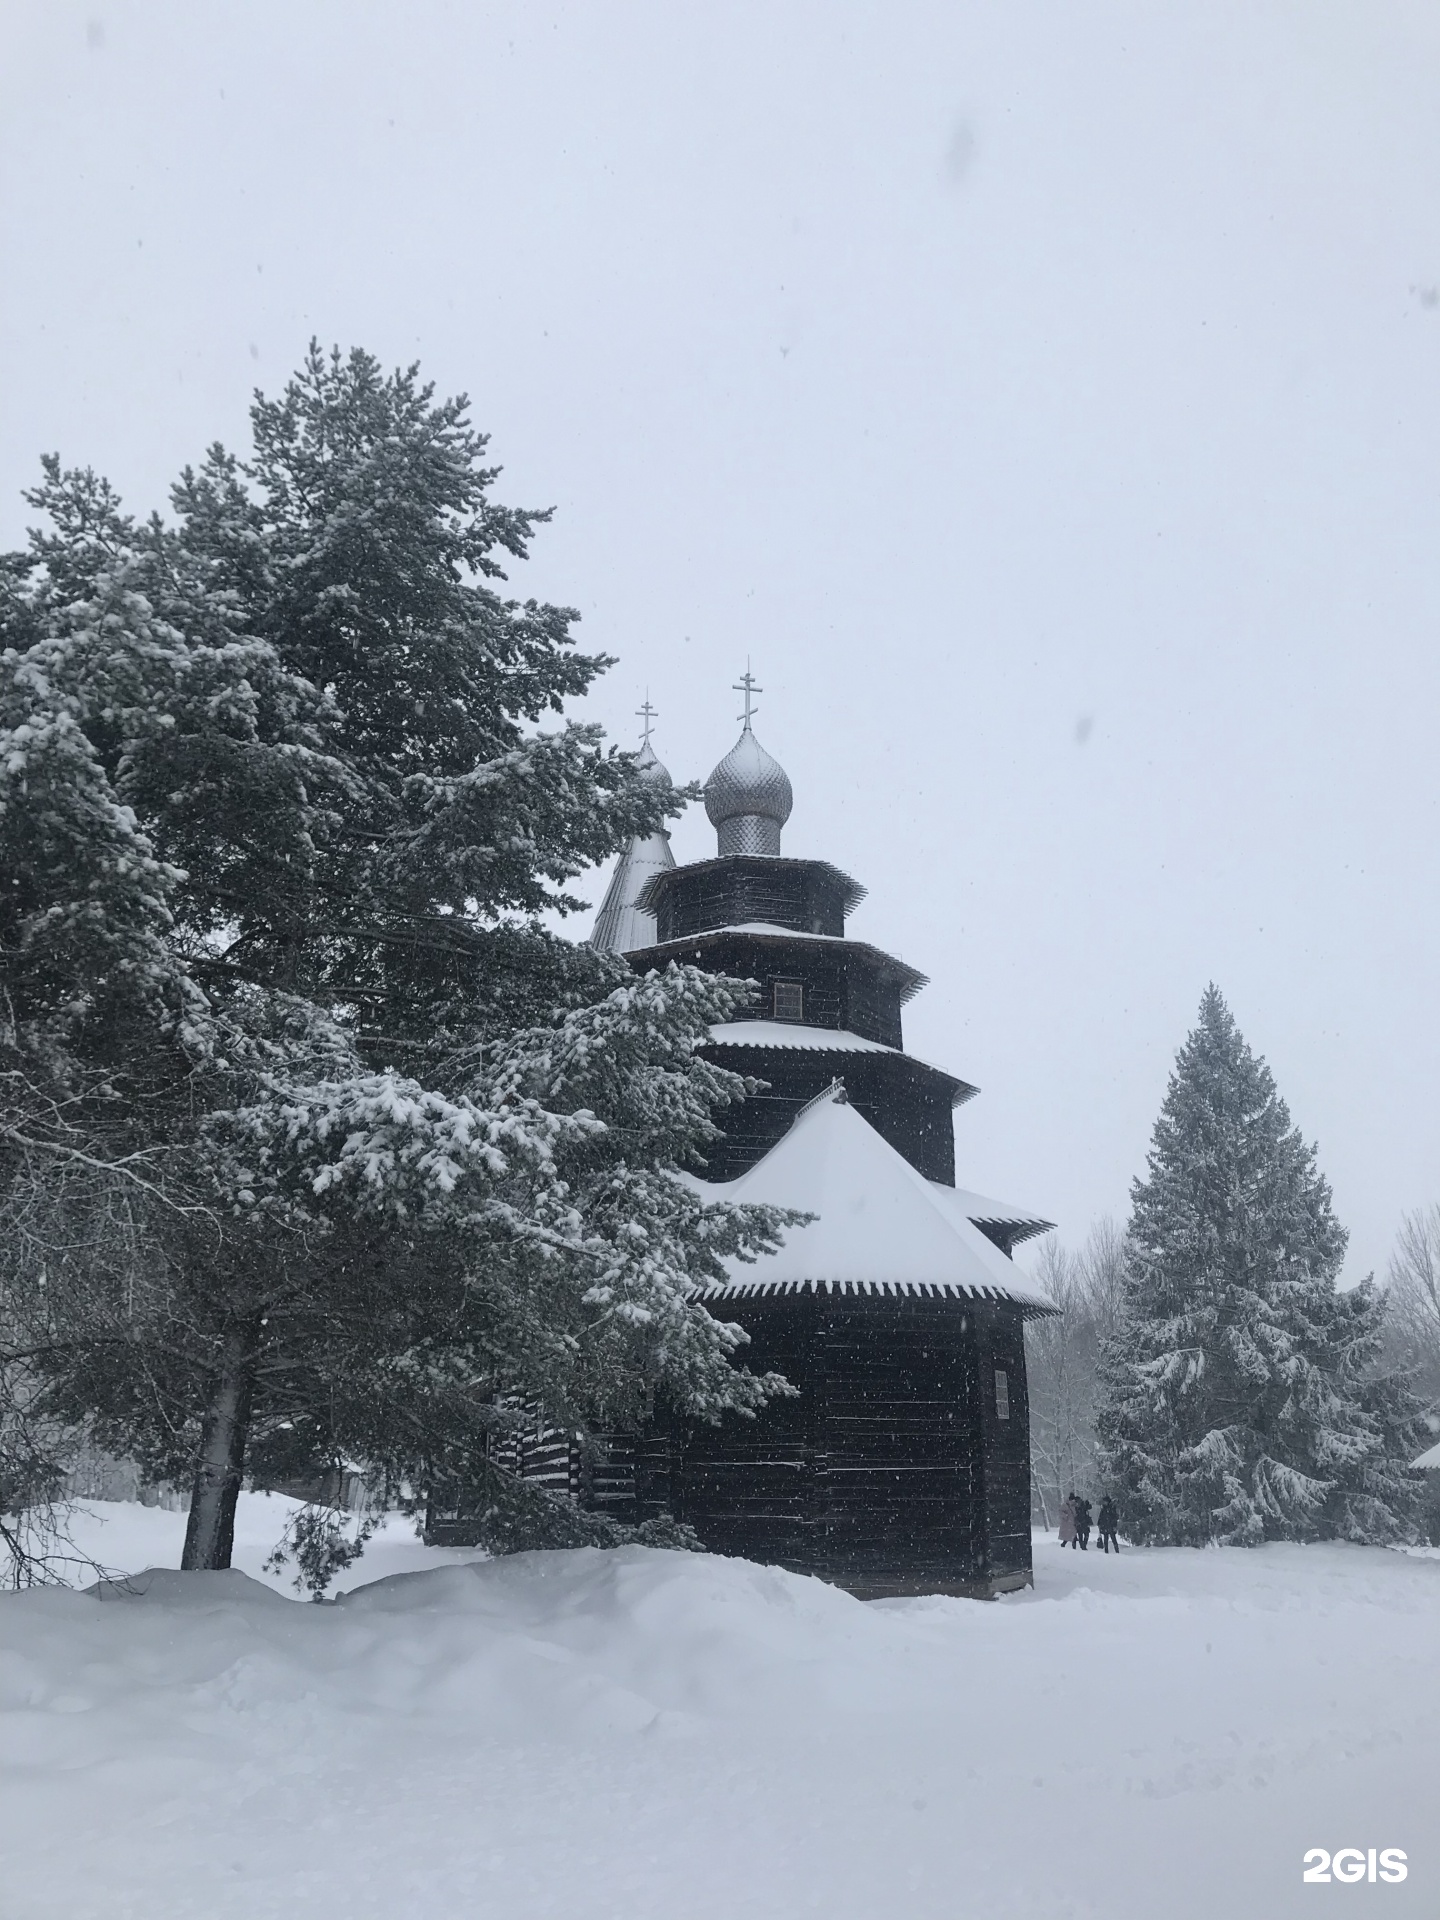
648	762
748	798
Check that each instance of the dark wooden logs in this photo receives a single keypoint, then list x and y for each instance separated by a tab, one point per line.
893	1471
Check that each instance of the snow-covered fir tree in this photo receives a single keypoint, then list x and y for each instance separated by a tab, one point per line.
1242	1399
372	1155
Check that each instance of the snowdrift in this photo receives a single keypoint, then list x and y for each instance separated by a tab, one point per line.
659	1734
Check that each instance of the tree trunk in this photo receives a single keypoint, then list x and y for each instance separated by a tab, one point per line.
210	1531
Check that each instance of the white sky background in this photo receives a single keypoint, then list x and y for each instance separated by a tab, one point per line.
1043	395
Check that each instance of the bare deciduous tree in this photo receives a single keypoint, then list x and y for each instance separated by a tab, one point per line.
1412	1314
69	1229
1062	1356
1413	1298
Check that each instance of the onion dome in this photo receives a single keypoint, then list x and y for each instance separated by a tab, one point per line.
648	762
748	798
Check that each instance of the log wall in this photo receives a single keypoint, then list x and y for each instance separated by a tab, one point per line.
805	895
892	1472
907	1103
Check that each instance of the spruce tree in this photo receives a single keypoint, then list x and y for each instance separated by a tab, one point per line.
1241	1397
372	1154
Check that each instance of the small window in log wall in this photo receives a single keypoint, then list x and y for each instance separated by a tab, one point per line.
789	1000
1002	1395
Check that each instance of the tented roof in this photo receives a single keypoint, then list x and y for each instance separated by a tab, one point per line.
1429	1460
622	924
881	1227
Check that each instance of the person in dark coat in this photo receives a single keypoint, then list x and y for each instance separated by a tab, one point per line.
1108	1521
1083	1523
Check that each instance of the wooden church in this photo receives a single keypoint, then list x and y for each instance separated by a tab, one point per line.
903	1466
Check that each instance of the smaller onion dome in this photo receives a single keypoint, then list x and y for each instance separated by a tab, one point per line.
748	798
648	762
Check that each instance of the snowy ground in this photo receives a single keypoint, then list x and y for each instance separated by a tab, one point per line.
646	1734
123	1536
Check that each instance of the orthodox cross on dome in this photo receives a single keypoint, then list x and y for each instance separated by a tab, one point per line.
747	685
646	715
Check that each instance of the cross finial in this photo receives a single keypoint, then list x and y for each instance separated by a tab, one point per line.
646	715
746	684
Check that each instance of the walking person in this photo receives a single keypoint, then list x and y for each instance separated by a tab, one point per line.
1067	1521
1108	1521
1083	1523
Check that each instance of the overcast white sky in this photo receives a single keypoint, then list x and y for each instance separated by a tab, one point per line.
1043	395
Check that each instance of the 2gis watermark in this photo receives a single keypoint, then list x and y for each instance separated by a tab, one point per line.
1353	1865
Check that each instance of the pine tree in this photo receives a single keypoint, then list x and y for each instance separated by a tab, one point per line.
278	816
1241	1400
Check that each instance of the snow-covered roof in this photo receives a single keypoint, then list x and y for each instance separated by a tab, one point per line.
1429	1460
881	1227
795	1036
768	927
788	1033
981	1208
